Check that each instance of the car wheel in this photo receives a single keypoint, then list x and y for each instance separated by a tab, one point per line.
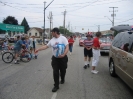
112	68
101	53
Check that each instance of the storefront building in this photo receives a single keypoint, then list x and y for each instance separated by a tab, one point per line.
11	29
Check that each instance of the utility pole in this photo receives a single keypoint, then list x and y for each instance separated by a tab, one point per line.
98	28
64	20
44	24
113	15
44	19
50	17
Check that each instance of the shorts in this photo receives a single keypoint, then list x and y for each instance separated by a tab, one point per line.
88	53
17	51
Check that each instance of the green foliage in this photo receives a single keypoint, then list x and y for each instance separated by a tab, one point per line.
25	24
66	32
10	20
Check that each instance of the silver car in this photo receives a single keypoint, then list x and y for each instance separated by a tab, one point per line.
121	57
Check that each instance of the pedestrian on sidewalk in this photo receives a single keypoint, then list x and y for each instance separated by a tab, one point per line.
88	43
60	49
70	41
96	52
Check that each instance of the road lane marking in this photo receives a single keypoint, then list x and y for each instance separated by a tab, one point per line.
54	95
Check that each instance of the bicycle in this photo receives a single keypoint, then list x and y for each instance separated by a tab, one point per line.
25	56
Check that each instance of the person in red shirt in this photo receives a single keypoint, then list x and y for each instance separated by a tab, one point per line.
96	52
70	41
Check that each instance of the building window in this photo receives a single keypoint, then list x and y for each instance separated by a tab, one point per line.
35	34
29	34
40	33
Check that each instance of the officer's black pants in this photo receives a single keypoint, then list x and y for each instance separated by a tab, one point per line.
59	68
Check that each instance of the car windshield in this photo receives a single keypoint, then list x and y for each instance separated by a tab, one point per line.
105	40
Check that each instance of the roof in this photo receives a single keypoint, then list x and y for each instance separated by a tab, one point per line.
38	29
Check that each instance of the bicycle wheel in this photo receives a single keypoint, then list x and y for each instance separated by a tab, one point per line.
7	57
25	56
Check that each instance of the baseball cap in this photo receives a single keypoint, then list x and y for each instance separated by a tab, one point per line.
55	30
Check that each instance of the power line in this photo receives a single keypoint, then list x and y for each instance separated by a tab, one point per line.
96	4
17	8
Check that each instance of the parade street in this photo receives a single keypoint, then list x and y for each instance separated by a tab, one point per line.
34	80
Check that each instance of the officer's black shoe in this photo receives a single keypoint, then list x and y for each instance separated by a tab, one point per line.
85	67
55	89
88	65
62	81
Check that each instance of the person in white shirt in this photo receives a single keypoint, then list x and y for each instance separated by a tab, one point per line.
60	49
33	46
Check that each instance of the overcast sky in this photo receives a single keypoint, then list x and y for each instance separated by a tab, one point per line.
86	14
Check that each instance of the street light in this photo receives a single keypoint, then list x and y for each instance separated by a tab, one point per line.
44	20
110	20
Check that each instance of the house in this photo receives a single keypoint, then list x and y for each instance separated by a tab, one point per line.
37	32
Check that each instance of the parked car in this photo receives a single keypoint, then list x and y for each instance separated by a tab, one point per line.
121	57
105	44
4	37
12	39
81	40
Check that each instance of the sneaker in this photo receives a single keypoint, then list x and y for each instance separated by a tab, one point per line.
55	89
16	62
88	65
94	72
85	67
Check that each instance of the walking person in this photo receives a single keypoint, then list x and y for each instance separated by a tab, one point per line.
60	49
96	52
88	44
33	46
70	41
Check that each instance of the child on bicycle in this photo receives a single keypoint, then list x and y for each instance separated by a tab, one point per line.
1	44
17	48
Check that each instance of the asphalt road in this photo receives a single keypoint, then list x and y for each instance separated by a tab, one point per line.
34	80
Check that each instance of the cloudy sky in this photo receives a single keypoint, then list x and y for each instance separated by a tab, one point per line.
82	15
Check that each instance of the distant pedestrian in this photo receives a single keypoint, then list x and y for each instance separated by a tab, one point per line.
60	49
70	41
33	46
96	52
88	44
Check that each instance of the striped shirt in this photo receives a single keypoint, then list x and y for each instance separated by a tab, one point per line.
88	43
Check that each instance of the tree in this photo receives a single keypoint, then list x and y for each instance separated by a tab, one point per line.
67	32
25	24
10	20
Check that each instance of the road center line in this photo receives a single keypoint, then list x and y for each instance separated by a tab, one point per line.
54	95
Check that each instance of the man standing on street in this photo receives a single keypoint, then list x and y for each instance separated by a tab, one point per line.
60	48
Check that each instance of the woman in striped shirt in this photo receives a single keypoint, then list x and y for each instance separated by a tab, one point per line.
88	43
